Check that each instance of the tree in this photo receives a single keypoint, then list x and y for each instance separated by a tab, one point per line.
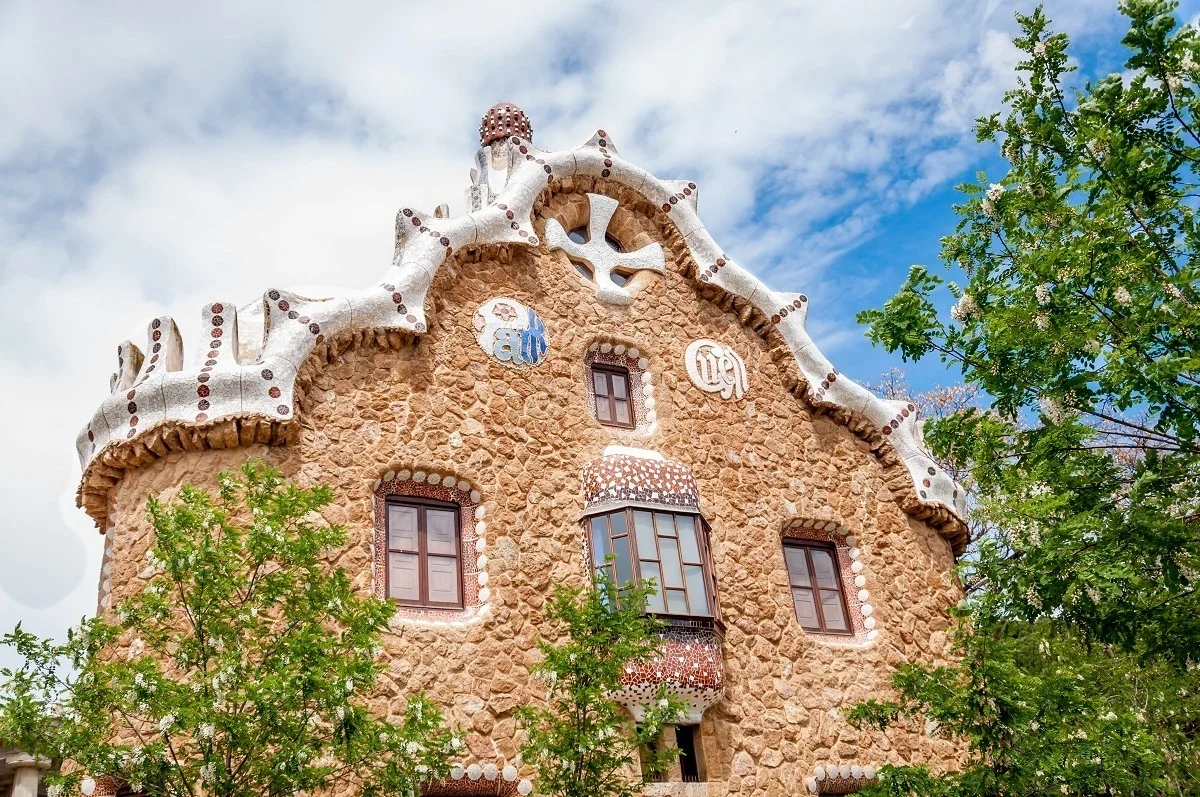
582	743
244	666
1078	321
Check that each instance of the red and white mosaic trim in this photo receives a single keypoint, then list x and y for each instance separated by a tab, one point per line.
636	476
839	779
850	567
690	665
438	486
641	381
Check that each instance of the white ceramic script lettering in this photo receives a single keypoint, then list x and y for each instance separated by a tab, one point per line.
716	369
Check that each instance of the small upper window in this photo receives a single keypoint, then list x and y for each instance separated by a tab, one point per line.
668	547
583	269
614	405
579	235
424	542
816	586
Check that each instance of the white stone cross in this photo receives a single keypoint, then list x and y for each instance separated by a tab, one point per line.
599	255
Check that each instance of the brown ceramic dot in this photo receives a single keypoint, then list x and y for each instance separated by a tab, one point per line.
605	173
156	323
274	392
131	394
201	417
218	308
202	391
203	404
203	378
133	421
156	335
132	407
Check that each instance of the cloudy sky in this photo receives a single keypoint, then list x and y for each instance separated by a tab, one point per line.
156	156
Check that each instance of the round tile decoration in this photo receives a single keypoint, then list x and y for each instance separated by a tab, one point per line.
715	368
511	332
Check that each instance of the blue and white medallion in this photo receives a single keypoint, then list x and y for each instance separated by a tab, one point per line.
511	332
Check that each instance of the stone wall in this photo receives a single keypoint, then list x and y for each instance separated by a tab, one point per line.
522	437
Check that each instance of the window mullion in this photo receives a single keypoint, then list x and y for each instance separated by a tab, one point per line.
816	588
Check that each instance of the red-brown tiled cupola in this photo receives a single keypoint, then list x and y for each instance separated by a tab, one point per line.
503	120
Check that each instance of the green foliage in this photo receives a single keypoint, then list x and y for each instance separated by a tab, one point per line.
1078	320
581	742
244	667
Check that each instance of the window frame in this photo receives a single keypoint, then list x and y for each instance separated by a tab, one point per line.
831	548
635	559
422	505
611	371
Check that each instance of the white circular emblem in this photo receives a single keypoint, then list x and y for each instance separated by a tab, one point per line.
716	369
510	332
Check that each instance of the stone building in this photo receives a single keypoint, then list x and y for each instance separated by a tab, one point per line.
570	370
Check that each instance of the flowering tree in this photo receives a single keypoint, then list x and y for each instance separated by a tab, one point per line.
243	667
582	743
1078	321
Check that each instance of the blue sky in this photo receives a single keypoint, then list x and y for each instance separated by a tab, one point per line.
151	162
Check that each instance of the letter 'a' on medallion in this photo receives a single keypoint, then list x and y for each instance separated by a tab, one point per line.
715	368
510	332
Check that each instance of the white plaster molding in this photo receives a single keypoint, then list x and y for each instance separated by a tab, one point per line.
294	325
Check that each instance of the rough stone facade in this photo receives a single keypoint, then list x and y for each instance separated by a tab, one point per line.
766	465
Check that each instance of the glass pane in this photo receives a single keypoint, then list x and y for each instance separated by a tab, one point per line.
599	540
672	575
831	607
644	527
676	601
666	524
623	412
402	528
797	565
603	411
654	603
439	532
443	579
806	611
620	386
403	577
578	235
600	382
619	278
689	542
824	567
583	270
616	522
624	566
695	589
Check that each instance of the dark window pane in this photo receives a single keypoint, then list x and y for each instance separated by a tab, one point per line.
672	575
824	567
599	540
666	523
600	381
695	589
439	532
402	528
806	610
619	278
620	386
578	235
831	608
687	538
797	565
616	524
614	243
624	566
676	601
583	270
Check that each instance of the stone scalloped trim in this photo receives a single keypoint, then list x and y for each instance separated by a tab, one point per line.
295	326
483	779
839	779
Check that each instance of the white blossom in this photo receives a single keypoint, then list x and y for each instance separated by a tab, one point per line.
965	309
341	712
1093	347
206	731
54	791
995	191
1052	409
349	684
166	722
136	648
1187	63
208	773
1039	49
412	748
988	206
456	743
1122	296
1043	294
1174	83
1042	320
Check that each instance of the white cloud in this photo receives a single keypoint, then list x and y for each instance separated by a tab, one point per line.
152	160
